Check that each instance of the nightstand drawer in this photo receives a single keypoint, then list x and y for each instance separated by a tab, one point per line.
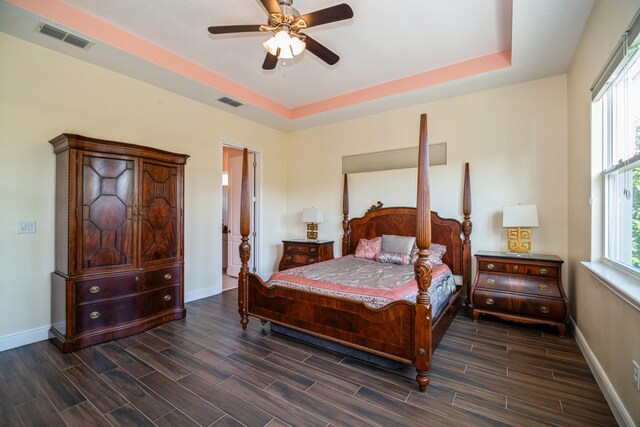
542	308
533	286
518	268
300	259
301	249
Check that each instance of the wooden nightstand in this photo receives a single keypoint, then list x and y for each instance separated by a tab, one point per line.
525	289
299	252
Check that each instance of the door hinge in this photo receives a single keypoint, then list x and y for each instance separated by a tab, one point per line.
253	270
255	164
254	234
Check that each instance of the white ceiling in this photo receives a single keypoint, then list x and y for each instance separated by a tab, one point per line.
385	41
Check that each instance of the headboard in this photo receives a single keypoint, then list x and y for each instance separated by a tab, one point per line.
401	221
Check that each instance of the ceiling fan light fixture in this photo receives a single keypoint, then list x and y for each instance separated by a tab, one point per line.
271	46
286	53
297	46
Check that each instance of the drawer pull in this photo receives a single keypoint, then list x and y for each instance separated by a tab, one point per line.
94	289
94	314
544	309
167	276
490	266
167	297
489	301
543	287
137	278
289	258
312	250
490	281
515	268
543	271
312	260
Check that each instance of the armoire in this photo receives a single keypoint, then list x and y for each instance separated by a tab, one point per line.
119	226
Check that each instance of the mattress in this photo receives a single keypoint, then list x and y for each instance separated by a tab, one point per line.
373	283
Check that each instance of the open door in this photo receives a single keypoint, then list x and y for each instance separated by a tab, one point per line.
234	238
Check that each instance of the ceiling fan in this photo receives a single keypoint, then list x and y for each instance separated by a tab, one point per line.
286	24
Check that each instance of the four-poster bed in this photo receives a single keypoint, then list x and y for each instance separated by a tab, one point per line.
402	331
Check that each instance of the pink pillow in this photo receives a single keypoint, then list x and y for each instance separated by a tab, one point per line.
368	249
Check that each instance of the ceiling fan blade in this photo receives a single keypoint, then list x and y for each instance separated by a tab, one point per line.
270	61
330	14
321	51
227	29
271	6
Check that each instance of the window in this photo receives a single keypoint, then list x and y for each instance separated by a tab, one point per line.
616	117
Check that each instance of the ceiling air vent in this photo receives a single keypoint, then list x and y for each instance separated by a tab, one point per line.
230	101
59	34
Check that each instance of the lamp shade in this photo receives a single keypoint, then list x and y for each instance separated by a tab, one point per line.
314	215
520	216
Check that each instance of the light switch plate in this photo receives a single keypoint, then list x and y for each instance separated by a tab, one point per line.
26	227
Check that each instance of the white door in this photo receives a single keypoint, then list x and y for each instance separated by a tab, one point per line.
235	238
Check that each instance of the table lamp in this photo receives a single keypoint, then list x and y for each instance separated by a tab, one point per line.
518	221
312	216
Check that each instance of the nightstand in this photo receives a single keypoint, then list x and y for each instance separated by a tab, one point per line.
520	288
299	252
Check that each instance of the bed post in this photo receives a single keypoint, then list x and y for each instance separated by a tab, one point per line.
422	267
346	230
245	247
466	230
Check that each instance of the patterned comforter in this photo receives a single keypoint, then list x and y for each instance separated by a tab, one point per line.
374	283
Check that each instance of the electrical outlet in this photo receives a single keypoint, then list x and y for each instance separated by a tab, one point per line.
26	227
636	375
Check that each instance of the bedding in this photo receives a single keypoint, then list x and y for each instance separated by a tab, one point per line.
374	283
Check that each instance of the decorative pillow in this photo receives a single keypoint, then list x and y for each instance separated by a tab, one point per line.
397	244
436	252
393	258
368	249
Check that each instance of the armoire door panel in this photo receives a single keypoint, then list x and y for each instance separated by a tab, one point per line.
108	232
159	213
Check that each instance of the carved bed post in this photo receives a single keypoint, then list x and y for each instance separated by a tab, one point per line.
245	247
346	230
466	230
422	266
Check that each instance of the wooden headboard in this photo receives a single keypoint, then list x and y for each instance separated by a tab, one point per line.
401	221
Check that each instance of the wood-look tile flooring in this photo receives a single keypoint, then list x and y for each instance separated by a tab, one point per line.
204	370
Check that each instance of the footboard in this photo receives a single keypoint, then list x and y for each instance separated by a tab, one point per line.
389	331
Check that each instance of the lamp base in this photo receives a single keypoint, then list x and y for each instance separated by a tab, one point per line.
312	231
519	240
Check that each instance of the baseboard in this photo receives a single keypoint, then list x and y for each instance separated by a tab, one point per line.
201	293
619	411
23	338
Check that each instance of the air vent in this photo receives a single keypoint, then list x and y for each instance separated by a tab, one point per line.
59	34
230	101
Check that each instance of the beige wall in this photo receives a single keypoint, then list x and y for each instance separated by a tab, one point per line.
610	326
44	93
514	137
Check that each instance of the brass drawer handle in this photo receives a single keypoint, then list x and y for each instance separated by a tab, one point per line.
312	260
489	301
289	258
515	268
167	297
312	250
94	289
543	287
543	271
544	309
490	281
490	266
167	276
94	314
137	279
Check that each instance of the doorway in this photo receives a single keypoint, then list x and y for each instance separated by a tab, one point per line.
231	194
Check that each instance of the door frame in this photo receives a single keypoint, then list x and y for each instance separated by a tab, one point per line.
256	249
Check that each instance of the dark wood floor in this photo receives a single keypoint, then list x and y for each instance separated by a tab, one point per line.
204	371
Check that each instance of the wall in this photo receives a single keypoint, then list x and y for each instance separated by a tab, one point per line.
610	326
44	93
514	138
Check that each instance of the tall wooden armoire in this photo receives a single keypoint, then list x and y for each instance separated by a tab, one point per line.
119	240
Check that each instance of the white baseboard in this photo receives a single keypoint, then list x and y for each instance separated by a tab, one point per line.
616	405
201	293
23	338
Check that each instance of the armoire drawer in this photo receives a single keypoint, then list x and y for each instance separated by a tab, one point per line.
98	289
121	310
